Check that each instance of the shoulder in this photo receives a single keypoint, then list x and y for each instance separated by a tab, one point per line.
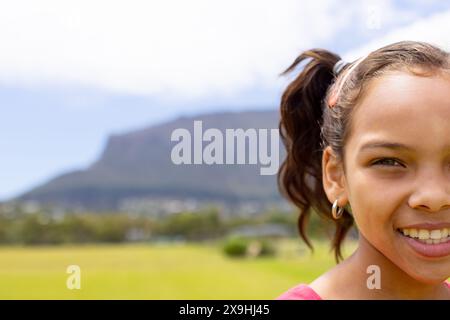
299	292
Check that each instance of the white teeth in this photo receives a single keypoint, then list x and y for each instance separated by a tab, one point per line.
428	236
435	234
424	234
444	233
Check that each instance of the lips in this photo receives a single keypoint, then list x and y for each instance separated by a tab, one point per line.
428	225
432	243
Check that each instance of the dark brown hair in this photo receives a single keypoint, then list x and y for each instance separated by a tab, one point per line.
308	125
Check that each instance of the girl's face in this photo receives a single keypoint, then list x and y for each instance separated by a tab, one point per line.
403	187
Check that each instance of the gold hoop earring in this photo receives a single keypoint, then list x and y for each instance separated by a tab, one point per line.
335	212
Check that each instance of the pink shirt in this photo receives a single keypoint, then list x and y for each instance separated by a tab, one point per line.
300	292
305	292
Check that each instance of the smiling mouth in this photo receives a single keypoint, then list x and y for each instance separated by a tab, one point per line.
427	236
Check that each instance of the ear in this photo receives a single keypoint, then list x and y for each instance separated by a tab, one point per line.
333	177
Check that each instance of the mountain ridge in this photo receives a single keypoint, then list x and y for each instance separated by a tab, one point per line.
137	164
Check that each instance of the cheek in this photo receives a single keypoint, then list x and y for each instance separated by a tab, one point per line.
373	204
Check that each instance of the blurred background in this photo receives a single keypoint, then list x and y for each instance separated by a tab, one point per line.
90	92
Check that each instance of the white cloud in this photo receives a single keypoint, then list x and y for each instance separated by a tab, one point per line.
188	48
433	29
174	48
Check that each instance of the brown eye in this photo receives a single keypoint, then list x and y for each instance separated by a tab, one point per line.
390	162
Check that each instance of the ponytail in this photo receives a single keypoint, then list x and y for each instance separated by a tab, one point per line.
300	175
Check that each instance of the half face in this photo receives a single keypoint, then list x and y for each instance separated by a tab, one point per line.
398	172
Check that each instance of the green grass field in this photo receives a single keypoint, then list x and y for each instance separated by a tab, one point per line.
145	271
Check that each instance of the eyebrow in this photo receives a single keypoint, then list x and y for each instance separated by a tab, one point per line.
386	145
392	146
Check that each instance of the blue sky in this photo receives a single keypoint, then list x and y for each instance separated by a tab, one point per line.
74	72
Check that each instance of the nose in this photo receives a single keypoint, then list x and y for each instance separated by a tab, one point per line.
431	192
